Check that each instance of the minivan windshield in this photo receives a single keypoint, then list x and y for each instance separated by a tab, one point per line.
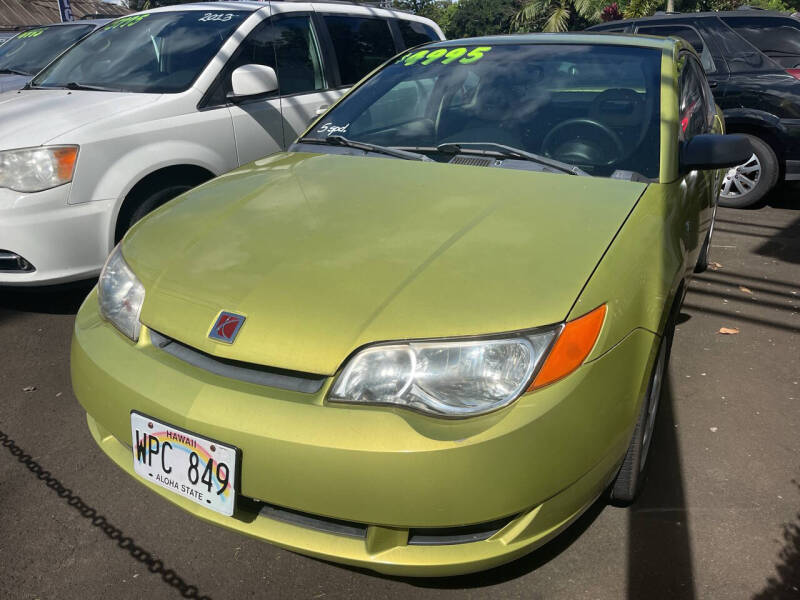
160	53
592	106
30	51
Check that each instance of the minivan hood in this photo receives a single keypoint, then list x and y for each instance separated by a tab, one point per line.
10	82
35	117
325	253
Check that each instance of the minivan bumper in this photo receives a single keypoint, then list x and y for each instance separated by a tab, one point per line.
58	241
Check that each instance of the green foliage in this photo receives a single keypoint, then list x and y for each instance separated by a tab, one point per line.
557	15
440	11
472	18
640	8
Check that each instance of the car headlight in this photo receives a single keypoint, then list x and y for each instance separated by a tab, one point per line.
120	295
37	169
461	377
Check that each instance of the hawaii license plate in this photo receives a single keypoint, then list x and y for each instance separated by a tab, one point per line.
191	466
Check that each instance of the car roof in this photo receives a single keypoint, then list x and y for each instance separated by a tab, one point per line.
254	6
742	12
601	39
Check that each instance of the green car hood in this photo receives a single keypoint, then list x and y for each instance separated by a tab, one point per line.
325	253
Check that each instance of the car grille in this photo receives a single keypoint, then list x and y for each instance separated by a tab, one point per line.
294	381
472	161
421	536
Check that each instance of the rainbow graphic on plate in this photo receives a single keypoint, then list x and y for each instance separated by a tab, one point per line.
184	463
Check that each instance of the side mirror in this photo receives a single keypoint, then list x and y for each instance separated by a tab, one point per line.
712	151
250	81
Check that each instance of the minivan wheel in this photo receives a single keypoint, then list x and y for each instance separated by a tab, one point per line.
630	478
748	183
132	214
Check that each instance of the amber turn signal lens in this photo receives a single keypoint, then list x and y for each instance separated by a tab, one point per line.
65	161
571	348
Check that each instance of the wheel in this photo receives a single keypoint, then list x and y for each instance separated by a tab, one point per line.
748	183
150	200
630	477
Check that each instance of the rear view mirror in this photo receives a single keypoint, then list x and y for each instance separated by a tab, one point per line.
712	151
251	81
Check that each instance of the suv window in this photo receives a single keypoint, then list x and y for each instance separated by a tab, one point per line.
778	38
687	33
694	102
415	33
360	43
290	40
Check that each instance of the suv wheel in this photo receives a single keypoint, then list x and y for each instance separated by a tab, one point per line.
746	184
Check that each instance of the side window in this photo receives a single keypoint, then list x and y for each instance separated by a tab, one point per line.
360	43
693	107
777	37
415	33
289	38
687	33
403	104
297	54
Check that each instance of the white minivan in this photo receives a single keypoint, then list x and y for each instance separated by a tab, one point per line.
157	102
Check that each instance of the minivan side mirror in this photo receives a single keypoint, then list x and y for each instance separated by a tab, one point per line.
250	81
713	151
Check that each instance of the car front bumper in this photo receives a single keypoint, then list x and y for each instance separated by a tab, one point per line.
533	467
62	241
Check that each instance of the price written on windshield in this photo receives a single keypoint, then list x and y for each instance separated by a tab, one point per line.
444	56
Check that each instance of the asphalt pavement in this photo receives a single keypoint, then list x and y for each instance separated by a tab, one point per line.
719	517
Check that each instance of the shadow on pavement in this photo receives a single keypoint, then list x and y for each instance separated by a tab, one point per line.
786	585
154	565
53	300
659	548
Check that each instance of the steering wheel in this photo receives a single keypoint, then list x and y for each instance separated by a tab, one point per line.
577	141
618	107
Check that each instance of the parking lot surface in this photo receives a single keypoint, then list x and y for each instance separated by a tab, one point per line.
718	518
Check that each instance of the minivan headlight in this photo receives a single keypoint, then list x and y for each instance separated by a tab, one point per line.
456	378
37	169
120	295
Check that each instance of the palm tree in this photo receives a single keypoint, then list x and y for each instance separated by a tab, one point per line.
556	13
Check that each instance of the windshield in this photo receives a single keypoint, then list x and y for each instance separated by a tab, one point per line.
30	51
153	53
593	106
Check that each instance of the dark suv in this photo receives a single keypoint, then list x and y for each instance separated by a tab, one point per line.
752	60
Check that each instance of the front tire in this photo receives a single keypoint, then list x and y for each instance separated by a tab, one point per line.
630	478
746	184
131	213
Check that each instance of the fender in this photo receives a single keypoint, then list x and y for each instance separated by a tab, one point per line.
737	119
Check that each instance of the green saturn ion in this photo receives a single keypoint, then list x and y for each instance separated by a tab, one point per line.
431	334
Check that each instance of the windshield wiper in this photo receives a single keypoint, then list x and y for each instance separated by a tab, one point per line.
13	72
340	140
74	85
509	152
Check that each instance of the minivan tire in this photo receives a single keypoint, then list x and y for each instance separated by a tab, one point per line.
133	213
764	157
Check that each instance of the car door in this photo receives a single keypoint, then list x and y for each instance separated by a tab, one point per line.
697	115
266	124
304	70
